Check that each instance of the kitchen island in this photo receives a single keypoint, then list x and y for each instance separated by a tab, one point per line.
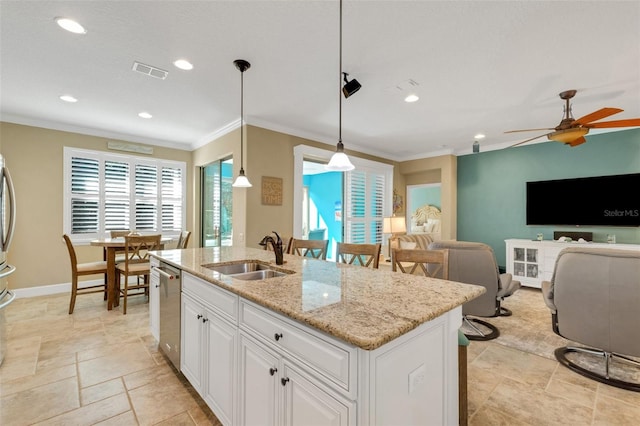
325	343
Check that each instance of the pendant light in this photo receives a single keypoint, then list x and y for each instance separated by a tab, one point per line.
241	180
339	161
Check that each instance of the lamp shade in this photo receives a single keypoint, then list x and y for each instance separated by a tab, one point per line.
241	181
393	225
339	163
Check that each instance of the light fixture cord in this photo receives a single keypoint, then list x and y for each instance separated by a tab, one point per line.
241	122
340	84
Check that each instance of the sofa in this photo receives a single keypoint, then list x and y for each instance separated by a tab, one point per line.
411	241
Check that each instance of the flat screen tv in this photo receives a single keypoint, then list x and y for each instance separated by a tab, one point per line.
590	201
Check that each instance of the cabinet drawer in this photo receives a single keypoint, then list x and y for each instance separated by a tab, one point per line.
224	302
332	360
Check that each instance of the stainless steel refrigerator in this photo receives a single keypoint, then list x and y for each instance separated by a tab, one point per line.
7	225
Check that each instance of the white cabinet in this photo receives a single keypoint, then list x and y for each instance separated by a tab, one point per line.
209	348
273	388
154	299
532	262
259	372
253	366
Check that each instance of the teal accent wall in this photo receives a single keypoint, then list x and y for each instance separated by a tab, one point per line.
325	189
428	195
491	186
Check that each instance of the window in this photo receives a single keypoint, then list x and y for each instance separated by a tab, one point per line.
367	195
105	191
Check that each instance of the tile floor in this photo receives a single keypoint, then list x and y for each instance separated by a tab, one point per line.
101	367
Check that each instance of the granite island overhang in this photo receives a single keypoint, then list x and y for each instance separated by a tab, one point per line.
361	306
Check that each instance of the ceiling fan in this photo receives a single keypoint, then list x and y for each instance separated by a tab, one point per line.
571	131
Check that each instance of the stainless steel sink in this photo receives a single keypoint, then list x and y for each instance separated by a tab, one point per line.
259	275
247	271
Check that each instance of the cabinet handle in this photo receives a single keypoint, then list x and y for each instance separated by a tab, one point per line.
273	371
278	336
205	320
157	285
199	316
284	381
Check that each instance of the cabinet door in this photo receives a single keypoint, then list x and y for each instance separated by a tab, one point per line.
221	366
259	381
191	342
154	304
306	403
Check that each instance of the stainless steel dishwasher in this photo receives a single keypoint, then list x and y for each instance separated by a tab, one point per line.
170	290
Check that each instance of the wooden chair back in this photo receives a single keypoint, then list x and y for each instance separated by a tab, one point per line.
316	249
430	263
183	240
137	248
367	255
119	233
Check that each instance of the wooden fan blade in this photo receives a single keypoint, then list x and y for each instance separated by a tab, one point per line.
631	122
529	130
597	115
528	140
577	142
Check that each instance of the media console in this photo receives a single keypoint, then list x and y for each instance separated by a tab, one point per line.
532	262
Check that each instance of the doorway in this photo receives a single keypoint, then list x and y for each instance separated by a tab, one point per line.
420	195
217	204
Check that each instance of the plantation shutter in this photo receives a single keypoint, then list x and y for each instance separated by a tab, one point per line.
85	195
105	191
146	197
364	195
117	195
171	194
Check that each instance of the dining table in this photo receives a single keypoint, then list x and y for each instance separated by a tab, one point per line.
111	247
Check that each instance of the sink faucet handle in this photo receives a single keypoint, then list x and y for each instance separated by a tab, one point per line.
279	240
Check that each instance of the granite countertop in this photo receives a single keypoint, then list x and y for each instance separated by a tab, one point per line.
361	306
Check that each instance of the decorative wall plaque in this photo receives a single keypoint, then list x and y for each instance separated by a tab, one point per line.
271	191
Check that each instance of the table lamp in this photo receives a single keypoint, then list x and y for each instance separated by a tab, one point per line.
393	225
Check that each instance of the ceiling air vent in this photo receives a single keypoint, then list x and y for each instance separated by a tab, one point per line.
149	70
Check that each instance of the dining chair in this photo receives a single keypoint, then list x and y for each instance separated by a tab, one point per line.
119	233
136	263
183	240
81	269
359	254
316	249
430	263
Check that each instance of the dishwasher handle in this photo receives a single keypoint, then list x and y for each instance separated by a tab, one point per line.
166	274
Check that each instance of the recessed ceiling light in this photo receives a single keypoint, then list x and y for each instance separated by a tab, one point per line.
70	25
479	136
145	115
183	64
411	98
68	98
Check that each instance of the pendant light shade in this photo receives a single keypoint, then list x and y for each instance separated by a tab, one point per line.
242	181
339	161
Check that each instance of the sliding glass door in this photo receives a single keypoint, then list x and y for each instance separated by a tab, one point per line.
216	201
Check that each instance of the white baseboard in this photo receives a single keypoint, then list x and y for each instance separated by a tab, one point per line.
47	290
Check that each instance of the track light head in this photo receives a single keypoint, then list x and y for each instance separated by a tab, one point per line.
350	87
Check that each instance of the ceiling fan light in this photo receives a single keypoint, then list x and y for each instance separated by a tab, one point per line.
568	135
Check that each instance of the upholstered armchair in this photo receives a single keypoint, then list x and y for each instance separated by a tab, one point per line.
594	298
475	263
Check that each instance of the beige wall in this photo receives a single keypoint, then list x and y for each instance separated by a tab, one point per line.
35	158
443	169
267	153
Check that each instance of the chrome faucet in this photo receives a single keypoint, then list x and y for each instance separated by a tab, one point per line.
277	246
